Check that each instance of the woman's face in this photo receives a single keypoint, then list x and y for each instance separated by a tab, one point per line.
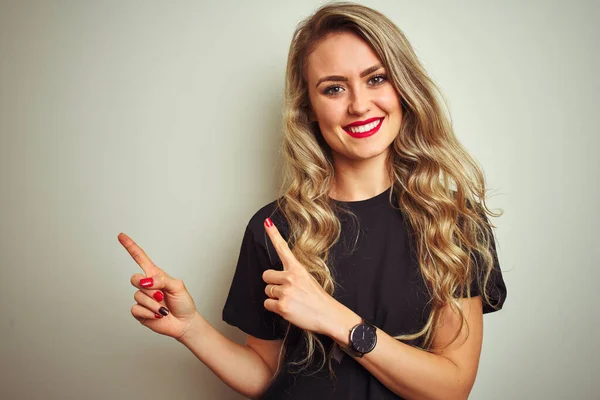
356	107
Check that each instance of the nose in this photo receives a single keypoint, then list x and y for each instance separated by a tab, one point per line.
360	103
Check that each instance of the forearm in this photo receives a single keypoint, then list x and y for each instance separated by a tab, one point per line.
405	370
238	366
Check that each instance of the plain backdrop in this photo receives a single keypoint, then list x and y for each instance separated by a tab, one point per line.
163	120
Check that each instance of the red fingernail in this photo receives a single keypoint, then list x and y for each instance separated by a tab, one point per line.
158	296
269	222
158	315
146	282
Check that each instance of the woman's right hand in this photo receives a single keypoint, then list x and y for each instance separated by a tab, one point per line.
156	290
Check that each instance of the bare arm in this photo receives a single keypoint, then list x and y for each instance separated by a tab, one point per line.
416	374
246	369
240	367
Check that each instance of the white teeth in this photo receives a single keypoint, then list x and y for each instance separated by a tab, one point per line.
364	128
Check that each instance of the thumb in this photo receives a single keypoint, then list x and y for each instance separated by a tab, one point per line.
163	282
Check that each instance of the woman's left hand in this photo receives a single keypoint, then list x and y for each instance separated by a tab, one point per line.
295	294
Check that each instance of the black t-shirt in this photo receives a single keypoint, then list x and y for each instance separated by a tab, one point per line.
380	281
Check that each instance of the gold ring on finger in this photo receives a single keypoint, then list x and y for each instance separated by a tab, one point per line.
271	290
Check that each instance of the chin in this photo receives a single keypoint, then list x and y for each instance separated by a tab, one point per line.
367	153
375	149
364	149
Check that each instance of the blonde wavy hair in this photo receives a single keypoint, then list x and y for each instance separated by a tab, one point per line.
440	187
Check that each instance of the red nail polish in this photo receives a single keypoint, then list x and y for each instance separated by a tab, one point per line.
158	315
158	296
146	282
269	222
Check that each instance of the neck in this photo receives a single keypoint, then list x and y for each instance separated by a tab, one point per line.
359	180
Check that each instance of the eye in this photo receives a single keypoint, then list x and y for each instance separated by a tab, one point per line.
378	79
333	90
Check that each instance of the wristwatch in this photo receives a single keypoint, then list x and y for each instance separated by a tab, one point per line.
363	338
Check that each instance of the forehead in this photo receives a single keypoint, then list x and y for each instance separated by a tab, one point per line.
342	53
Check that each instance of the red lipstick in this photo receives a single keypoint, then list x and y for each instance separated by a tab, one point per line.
359	135
367	121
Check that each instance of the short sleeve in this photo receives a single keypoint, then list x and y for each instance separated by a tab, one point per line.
244	306
496	288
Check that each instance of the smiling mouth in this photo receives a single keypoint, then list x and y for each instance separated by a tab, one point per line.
365	130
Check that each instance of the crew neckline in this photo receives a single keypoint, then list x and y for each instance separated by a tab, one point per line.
381	198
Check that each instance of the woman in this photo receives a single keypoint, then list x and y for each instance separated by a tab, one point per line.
377	260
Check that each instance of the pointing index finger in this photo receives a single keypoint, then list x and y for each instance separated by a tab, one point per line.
138	255
281	246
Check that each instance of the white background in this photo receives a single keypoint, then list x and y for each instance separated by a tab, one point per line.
163	119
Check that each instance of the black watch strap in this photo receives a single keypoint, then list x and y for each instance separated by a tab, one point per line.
351	352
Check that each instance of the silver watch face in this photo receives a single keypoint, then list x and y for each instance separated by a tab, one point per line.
363	338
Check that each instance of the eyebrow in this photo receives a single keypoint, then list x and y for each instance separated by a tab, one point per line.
339	78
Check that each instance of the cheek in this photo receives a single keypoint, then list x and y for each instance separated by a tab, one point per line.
389	101
329	114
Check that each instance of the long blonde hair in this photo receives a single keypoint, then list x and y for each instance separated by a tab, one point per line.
440	187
